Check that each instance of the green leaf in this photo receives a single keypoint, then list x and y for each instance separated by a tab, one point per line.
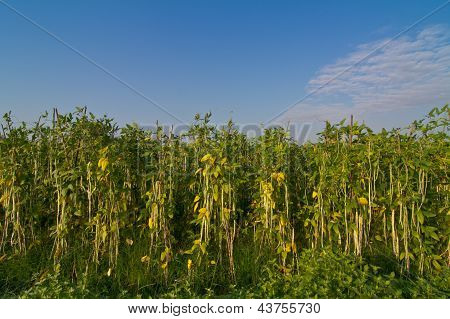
420	217
436	264
434	235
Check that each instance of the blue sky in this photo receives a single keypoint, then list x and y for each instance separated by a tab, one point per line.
248	60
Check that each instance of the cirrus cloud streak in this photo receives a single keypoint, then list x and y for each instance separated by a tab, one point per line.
409	72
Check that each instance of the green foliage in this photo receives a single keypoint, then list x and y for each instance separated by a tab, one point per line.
327	274
129	212
52	286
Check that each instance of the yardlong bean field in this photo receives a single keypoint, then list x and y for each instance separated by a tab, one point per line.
91	210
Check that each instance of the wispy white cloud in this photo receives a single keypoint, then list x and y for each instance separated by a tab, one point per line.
409	72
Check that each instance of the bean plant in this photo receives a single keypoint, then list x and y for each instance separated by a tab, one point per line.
104	199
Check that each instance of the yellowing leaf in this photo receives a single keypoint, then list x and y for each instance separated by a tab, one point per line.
4	198
280	177
150	223
129	242
288	248
145	259
196	199
205	158
189	264
155	208
363	201
203	247
294	248
103	163
314	194
202	212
